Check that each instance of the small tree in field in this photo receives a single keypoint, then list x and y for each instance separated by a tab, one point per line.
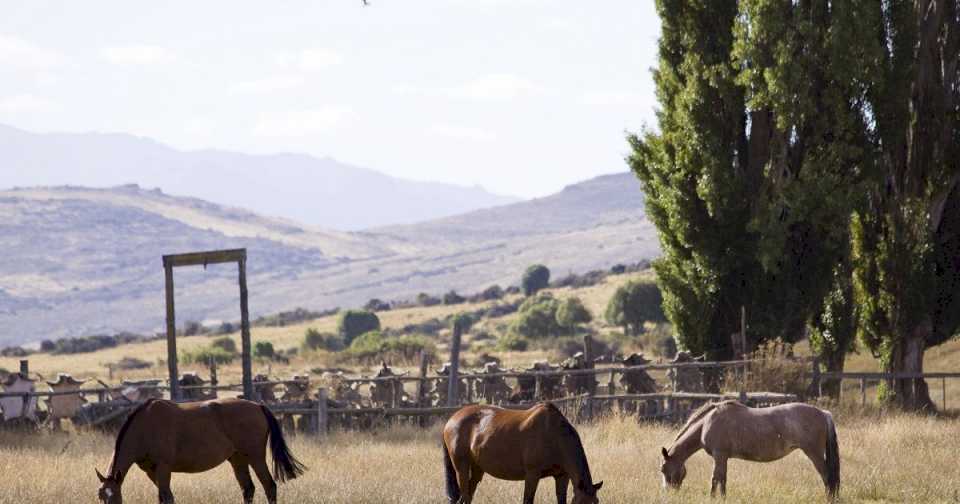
353	323
633	304
571	313
536	278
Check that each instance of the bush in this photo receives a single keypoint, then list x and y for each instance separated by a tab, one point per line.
292	317
571	313
535	278
84	345
463	320
492	293
452	298
376	305
191	328
633	304
132	363
353	323
511	342
264	350
424	299
316	340
374	345
47	346
226	328
538	317
205	354
225	343
13	351
667	347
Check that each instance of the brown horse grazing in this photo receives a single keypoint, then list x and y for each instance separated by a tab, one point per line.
515	445
729	429
164	437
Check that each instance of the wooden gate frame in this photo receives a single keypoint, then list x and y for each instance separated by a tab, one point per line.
238	256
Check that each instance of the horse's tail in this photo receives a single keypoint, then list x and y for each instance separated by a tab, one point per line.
285	466
833	458
453	488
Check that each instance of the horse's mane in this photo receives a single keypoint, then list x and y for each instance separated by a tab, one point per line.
579	454
696	416
126	427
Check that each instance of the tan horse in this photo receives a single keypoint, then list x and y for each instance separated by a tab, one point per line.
164	437
518	446
729	429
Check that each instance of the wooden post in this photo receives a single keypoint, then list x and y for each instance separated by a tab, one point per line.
863	392
245	331
422	384
322	413
943	390
24	368
453	391
743	331
470	390
171	332
588	358
213	378
538	387
612	384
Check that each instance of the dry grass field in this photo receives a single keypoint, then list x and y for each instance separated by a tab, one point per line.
885	458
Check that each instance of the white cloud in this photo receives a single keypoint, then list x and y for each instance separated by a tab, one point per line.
200	126
138	55
20	53
495	87
491	87
301	123
608	98
25	103
458	132
266	85
309	60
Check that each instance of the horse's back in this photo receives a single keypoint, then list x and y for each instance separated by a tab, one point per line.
763	434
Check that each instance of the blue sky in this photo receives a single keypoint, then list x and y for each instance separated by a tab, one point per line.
519	96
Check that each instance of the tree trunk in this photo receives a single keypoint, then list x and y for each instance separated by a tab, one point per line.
833	362
907	357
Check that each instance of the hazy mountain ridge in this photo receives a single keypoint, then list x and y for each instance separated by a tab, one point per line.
316	191
88	260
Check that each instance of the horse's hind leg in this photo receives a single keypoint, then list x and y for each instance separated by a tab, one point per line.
719	474
530	487
263	474
820	462
241	470
563	482
162	475
476	474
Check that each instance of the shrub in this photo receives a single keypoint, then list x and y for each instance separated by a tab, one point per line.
452	298
774	369
13	351
535	278
407	347
264	350
353	323
225	343
571	313
132	363
47	346
226	328
618	269
538	317
316	340
463	320
205	354
511	342
667	347
192	328
424	299
376	305
84	345
491	293
295	316
633	304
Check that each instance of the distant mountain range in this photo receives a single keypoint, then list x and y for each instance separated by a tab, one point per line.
316	191
82	261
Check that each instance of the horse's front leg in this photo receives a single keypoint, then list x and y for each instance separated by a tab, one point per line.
530	487
562	483
719	474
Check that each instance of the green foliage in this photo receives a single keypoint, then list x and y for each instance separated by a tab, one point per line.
538	317
225	343
511	342
571	313
462	320
452	298
205	355
316	340
353	323
263	350
373	345
535	278
633	304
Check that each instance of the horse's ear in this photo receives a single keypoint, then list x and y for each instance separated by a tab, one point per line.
100	476
597	486
663	451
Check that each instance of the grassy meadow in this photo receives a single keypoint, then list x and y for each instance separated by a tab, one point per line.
885	458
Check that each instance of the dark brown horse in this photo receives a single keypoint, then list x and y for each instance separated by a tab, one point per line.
729	429
164	437
518	446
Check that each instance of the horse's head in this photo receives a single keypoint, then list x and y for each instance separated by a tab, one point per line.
586	495
673	470
110	489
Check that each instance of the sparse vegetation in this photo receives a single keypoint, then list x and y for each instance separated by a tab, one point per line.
316	340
